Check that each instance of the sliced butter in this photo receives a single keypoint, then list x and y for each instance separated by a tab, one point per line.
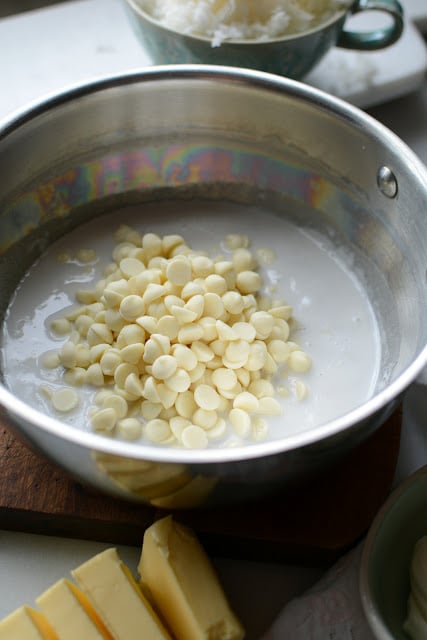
111	589
71	614
26	624
184	586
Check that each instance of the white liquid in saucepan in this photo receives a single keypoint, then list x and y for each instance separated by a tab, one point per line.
336	325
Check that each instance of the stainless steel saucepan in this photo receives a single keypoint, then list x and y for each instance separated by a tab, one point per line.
110	142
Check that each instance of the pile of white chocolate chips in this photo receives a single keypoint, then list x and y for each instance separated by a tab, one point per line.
181	347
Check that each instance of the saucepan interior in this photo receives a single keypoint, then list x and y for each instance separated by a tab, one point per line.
211	134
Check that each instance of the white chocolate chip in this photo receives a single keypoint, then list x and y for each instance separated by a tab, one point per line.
206	397
50	360
213	305
133	385
129	428
109	362
132	307
184	356
238	351
132	353
279	350
261	388
198	372
83	323
114	292
301	390
215	283
170	242
83	356
257	356
185	404
269	406
202	266
131	267
202	351
124	370
240	421
67	355
246	401
117	403
284	312
225	332
168	325
153	292
177	425
236	241
243	260
104	420
190	333
61	326
180	381
266	256
263	322
150	410
248	282
65	400
75	377
205	418
244	377
218	430
233	302
194	437
179	270
94	375
259	428
86	255
152	244
98	333
164	367
157	430
196	305
166	395
299	361
224	378
244	331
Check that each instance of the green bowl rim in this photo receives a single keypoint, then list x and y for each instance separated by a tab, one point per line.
373	617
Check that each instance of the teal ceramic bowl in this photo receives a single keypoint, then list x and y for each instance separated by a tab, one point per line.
292	56
386	558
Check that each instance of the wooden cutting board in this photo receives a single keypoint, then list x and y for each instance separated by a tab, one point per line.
315	524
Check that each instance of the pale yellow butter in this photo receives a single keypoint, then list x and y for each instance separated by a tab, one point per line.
26	623
71	614
112	590
184	586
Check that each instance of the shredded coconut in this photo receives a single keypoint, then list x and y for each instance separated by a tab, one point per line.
259	20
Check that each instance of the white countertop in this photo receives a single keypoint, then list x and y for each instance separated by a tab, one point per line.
46	50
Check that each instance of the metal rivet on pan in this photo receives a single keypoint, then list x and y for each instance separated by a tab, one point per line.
387	183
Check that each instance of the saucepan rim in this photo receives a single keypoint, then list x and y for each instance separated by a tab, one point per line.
268	82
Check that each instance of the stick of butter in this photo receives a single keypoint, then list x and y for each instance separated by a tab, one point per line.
112	590
26	623
184	586
71	614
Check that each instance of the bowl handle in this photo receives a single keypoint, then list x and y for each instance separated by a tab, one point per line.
379	38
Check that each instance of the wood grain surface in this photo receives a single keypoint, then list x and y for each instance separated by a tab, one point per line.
314	524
